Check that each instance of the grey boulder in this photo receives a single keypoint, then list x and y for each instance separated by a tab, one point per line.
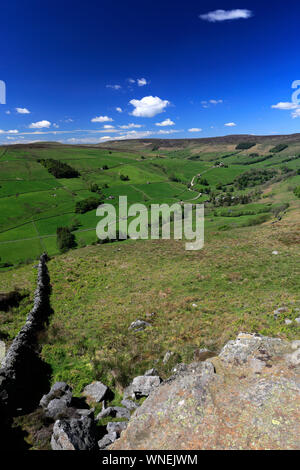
139	325
58	390
129	404
96	392
114	412
143	385
74	434
116	427
107	440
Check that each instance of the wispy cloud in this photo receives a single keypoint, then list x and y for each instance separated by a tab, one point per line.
142	82
114	87
230	124
225	15
131	126
22	111
148	106
120	110
11	131
195	129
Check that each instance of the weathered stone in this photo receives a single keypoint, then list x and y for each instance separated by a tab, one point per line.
129	404
139	325
246	399
297	320
2	351
96	392
58	390
114	412
287	321
128	392
74	434
143	385
116	427
279	311
107	440
58	406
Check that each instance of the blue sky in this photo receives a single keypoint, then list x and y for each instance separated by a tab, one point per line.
81	72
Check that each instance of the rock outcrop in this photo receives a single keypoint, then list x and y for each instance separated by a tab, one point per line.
248	397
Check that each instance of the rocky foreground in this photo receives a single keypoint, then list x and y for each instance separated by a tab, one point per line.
248	397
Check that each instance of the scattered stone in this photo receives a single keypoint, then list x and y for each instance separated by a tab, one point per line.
58	390
275	252
114	412
139	325
2	351
194	305
297	320
57	407
167	356
288	322
128	392
96	392
107	440
202	354
129	404
116	427
74	434
143	385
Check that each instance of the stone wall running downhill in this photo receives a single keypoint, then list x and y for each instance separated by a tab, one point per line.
23	376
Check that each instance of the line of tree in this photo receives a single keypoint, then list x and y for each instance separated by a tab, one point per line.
88	204
59	169
245	145
253	177
278	148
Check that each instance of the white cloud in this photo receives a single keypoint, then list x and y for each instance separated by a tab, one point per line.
216	101
40	124
296	113
284	105
224	15
108	126
131	126
195	129
230	124
134	135
22	111
148	106
7	112
169	131
101	119
12	131
142	82
55	125
120	110
166	122
131	80
114	87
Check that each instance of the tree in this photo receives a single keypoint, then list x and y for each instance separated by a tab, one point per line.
65	239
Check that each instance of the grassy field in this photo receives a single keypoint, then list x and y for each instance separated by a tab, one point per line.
34	203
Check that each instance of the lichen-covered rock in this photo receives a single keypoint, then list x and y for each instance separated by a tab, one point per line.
114	412
248	397
143	385
129	404
107	440
74	434
96	392
139	325
117	426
